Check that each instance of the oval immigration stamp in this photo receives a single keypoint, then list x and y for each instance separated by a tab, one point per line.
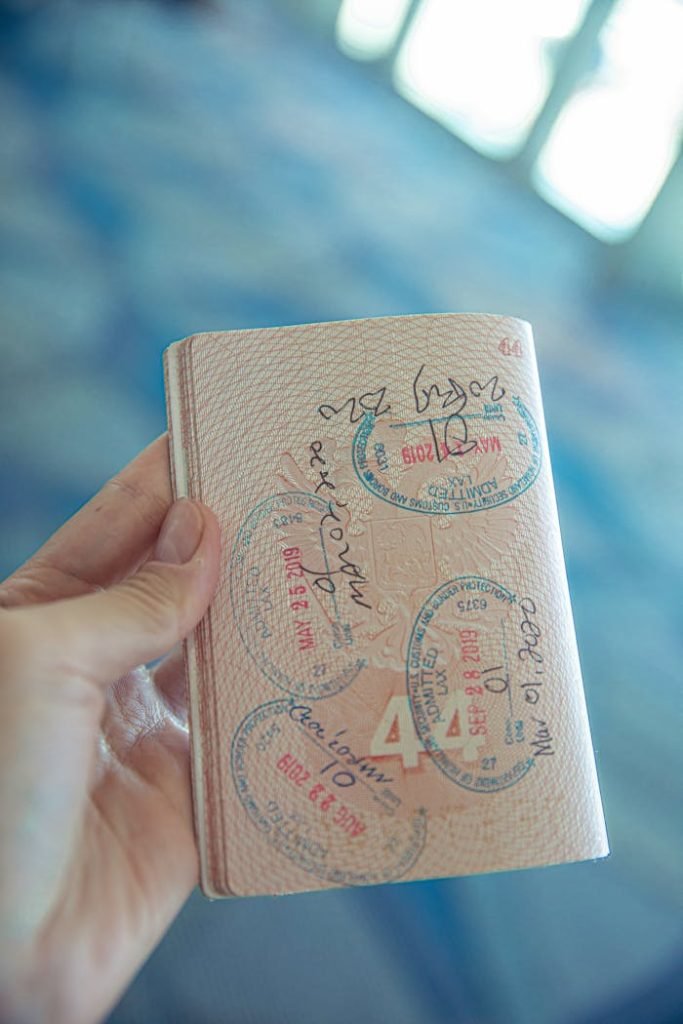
318	801
295	616
471	701
293	608
442	466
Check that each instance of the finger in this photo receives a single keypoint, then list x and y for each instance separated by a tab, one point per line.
105	541
102	636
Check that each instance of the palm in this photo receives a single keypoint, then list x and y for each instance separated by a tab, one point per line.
128	853
138	849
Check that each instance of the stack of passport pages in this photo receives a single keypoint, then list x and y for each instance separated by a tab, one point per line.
386	686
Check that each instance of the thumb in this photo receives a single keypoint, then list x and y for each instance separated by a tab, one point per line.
102	636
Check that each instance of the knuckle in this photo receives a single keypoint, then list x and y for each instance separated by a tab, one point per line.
159	600
147	504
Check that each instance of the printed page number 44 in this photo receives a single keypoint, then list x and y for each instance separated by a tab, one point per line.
395	734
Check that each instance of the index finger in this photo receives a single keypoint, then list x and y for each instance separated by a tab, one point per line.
103	542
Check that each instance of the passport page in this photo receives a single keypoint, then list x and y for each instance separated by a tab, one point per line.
386	686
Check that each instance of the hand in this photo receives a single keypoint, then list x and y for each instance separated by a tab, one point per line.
97	851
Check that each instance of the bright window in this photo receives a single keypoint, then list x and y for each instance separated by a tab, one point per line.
367	29
484	69
615	140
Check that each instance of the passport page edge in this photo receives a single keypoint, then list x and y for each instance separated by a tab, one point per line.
174	369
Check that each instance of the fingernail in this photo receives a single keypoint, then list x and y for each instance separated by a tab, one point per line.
181	533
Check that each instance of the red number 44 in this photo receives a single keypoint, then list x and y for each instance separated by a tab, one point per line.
510	348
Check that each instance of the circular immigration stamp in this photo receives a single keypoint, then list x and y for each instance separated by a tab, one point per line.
318	801
441	466
294	598
470	701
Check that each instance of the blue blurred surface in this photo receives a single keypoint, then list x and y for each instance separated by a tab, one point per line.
171	169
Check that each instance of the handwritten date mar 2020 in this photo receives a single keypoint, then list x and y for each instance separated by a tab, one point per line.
530	654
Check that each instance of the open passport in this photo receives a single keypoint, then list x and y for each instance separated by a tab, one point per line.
386	686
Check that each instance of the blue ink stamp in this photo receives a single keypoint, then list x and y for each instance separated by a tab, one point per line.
467	695
428	466
336	831
300	636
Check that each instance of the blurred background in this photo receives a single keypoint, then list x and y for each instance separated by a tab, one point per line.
168	168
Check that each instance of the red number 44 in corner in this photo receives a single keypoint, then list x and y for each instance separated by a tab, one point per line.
510	347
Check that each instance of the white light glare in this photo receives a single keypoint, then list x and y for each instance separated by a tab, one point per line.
484	69
616	139
367	29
